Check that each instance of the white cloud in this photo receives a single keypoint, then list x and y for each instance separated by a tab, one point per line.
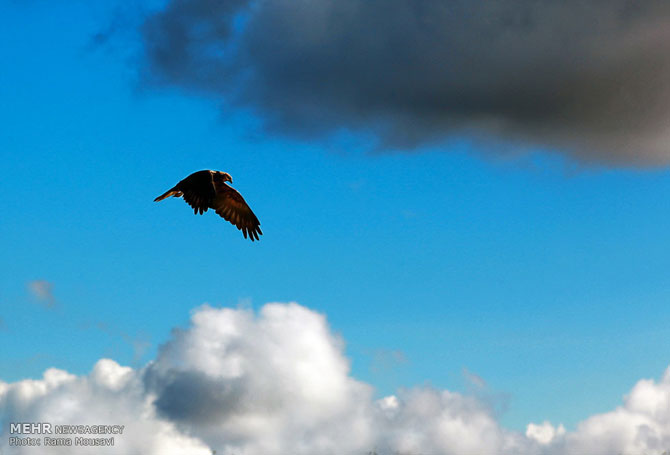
273	384
277	382
544	433
640	425
109	395
429	421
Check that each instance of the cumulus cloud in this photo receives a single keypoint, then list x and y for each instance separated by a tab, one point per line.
277	382
545	432
640	425
589	79
42	290
274	384
109	395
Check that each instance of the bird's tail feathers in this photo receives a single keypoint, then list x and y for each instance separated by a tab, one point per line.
172	192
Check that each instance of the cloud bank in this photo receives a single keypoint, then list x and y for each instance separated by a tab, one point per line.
277	382
588	79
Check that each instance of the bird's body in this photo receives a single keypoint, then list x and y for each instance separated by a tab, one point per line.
207	189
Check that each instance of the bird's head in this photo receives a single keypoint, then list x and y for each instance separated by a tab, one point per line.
223	177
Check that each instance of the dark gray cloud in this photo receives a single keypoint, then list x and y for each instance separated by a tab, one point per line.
194	397
590	79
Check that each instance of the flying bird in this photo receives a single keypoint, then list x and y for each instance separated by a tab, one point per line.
207	189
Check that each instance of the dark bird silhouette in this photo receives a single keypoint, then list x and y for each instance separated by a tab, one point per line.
204	190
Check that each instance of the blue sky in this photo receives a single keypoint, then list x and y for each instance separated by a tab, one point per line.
545	277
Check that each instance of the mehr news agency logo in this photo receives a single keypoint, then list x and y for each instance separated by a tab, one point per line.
62	435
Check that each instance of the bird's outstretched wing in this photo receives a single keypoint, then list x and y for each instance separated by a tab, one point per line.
230	205
198	190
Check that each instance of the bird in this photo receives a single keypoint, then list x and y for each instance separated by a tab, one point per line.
207	189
